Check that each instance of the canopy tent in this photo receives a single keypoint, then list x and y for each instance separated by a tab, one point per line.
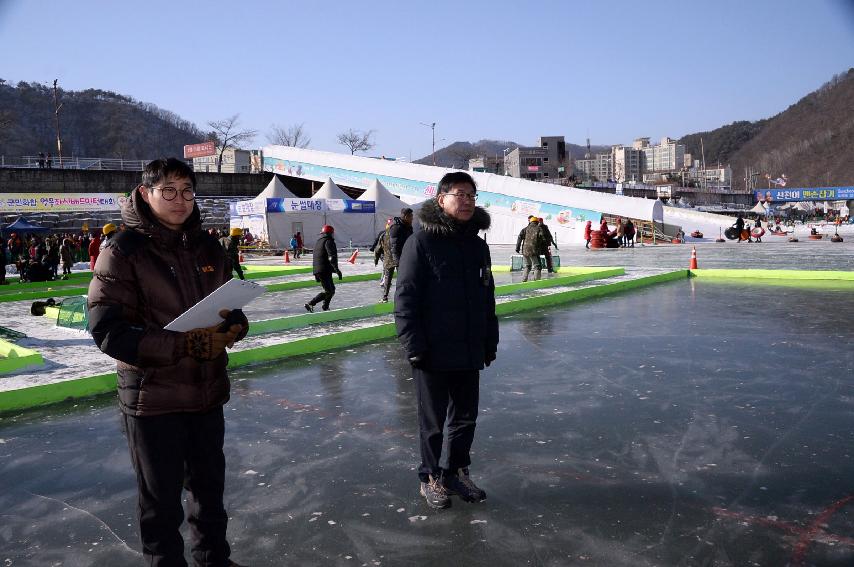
22	225
758	209
330	191
275	189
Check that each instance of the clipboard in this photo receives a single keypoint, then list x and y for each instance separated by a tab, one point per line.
233	294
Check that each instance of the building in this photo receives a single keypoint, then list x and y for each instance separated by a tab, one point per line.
547	161
596	168
666	156
719	178
526	163
627	163
233	161
487	164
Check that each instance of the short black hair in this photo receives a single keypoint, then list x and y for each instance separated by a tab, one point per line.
405	211
159	169
454	178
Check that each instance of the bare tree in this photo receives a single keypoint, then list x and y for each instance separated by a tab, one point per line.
227	135
356	141
294	136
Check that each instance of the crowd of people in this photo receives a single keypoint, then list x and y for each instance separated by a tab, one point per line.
38	258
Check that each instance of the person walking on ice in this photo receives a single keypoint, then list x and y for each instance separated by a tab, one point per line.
445	319
325	262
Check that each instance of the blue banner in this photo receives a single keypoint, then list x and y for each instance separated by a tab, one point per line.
805	194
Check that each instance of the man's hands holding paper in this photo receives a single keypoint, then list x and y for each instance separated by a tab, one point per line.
208	343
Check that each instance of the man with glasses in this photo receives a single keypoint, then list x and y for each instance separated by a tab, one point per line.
445	317
172	385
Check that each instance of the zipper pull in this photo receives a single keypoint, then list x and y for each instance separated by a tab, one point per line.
172	269
184	239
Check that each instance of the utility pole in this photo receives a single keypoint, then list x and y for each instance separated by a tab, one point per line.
57	107
432	127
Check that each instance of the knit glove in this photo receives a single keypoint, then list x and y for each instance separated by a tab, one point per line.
208	343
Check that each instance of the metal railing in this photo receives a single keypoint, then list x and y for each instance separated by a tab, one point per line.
98	164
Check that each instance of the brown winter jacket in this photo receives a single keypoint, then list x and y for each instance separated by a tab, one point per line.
145	278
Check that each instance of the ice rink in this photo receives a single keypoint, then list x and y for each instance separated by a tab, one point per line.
687	423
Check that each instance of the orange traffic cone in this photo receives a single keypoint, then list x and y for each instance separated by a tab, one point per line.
693	265
352	259
287	257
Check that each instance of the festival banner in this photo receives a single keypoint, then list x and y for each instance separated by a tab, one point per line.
804	194
60	202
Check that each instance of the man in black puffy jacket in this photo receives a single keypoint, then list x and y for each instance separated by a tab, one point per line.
325	262
399	231
445	317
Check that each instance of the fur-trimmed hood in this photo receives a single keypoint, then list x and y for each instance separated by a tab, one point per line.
434	220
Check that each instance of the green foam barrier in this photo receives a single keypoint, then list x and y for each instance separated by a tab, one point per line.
809	275
57	392
364	311
311	283
52	393
530	303
14	357
62	292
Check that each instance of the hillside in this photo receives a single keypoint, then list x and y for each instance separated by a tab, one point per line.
458	153
93	123
811	142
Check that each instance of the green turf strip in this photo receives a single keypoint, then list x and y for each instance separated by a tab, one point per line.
363	311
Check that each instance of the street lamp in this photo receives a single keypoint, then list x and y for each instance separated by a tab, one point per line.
432	127
56	110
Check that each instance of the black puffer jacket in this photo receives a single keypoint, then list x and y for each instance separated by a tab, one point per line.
325	256
398	234
444	306
144	278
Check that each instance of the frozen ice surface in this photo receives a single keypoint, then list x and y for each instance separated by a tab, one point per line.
687	423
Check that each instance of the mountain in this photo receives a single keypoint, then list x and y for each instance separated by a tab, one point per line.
811	142
458	153
93	123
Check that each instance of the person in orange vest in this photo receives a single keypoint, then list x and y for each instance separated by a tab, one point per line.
94	250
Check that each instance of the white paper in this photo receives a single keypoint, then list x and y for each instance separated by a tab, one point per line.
233	294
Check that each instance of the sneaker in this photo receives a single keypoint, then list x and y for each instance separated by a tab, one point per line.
385	300
325	307
309	307
462	485
435	493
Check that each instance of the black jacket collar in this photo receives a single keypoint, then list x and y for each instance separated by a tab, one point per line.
434	220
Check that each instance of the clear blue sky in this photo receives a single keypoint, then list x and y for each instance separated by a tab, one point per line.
501	70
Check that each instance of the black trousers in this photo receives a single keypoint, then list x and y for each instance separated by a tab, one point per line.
235	265
328	290
389	275
446	398
169	453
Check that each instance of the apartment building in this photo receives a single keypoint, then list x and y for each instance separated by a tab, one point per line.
233	161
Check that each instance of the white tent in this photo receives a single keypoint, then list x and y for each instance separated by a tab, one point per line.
275	189
759	209
330	191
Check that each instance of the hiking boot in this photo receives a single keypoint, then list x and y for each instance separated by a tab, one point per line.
435	493
462	485
309	307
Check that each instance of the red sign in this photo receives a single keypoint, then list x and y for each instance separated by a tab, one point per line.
532	168
200	150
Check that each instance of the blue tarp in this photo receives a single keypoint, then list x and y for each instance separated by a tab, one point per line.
23	225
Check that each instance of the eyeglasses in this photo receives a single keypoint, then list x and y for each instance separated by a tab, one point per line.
469	196
169	193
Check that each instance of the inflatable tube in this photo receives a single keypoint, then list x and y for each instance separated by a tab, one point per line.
696	234
816	236
731	233
757	232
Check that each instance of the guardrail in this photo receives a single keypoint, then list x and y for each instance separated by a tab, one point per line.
97	164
